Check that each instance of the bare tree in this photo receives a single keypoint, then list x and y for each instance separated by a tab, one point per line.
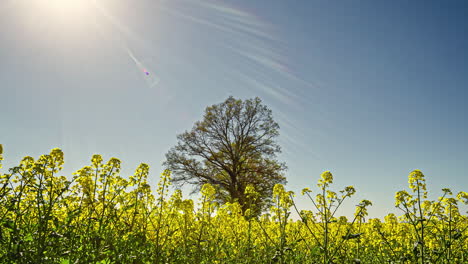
232	147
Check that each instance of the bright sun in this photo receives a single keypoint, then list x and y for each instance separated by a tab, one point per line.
57	21
69	5
63	9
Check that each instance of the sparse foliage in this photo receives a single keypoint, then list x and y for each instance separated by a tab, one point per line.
232	147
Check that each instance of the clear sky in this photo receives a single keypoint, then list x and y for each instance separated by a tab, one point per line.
367	90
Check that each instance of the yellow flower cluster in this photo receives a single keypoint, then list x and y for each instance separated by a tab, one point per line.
98	216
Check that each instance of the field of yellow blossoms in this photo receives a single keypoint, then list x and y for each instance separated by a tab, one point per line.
98	216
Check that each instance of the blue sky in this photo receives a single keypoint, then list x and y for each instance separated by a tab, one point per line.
367	90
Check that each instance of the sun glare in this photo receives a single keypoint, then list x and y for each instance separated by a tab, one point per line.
65	6
64	11
57	23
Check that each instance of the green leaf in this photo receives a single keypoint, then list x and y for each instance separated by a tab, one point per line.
28	237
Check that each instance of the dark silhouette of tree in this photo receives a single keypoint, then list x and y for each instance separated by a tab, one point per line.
232	147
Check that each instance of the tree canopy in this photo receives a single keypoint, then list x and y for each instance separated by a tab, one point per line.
233	147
